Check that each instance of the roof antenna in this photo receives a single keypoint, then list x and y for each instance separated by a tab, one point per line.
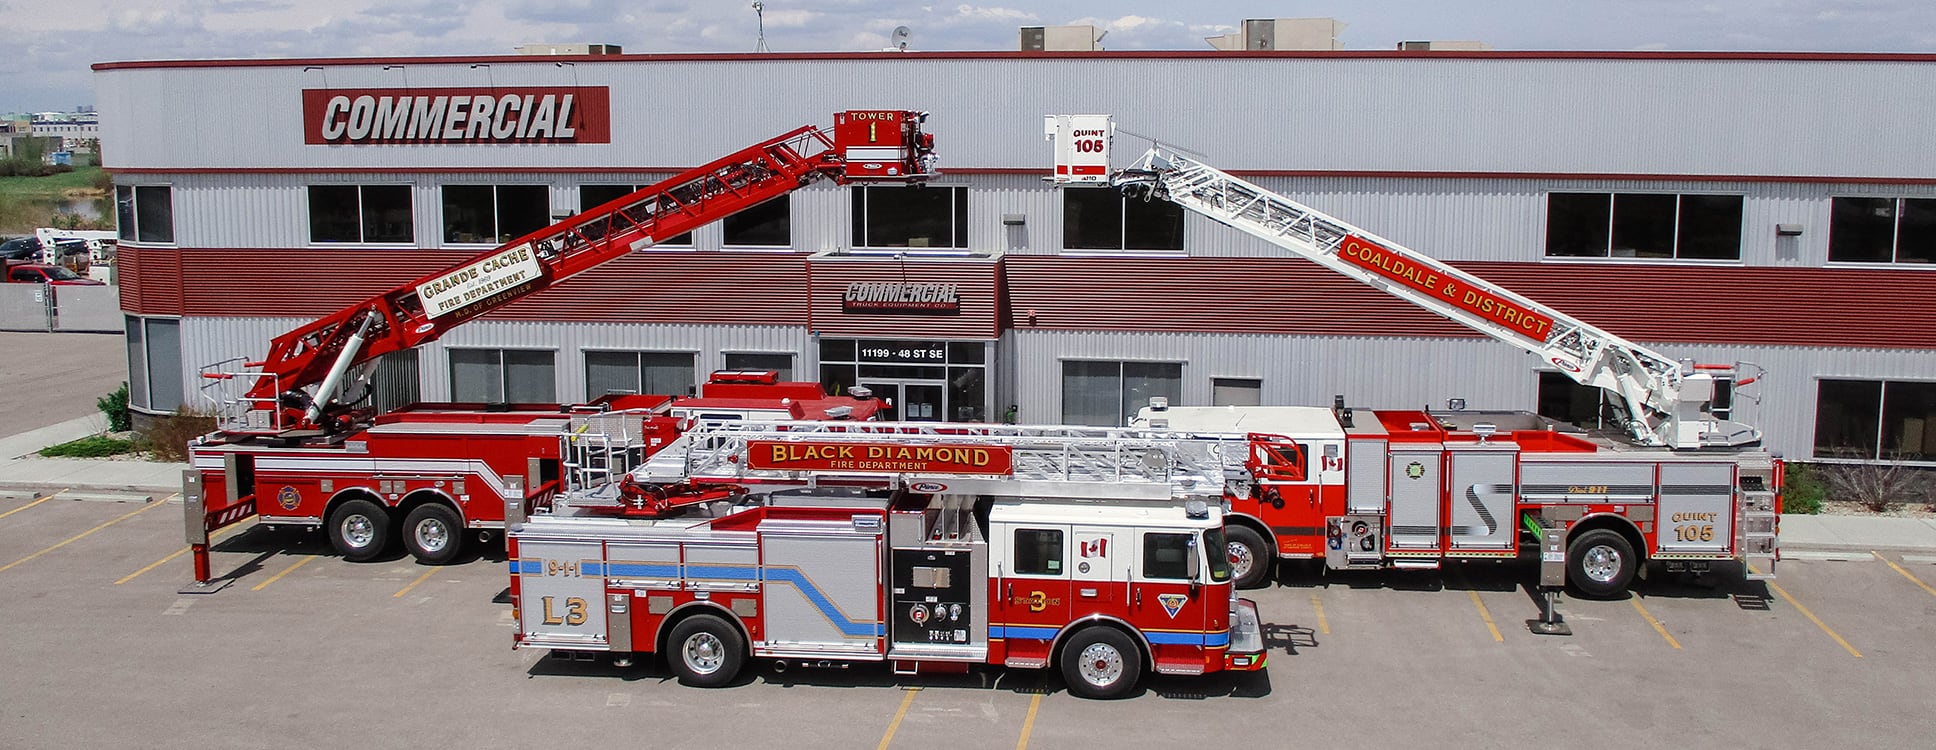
759	9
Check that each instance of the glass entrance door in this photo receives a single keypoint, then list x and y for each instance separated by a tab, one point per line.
912	401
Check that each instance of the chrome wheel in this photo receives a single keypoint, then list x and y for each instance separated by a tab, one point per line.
359	531
432	535
1241	561
704	654
1601	563
1101	665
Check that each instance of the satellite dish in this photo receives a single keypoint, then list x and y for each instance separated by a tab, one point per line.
900	37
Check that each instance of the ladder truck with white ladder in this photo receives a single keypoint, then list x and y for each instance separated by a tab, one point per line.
1663	401
1363	488
929	547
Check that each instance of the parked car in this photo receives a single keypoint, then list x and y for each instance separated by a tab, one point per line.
20	248
40	273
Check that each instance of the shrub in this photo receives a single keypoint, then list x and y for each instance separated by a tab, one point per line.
168	438
1802	491
1880	486
115	406
92	446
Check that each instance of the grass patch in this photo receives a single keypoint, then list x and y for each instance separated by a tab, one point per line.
51	186
92	446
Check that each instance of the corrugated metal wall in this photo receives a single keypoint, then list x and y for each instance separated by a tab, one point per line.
1793	115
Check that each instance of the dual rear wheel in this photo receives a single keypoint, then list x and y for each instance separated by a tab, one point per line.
360	530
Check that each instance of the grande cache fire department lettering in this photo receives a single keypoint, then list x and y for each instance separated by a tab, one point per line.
1369	256
874	457
478	281
457	115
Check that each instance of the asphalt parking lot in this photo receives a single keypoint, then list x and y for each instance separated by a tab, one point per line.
306	650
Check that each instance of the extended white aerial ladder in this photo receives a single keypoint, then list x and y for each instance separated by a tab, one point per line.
1665	401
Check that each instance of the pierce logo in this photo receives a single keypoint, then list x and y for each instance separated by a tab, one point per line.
511	114
928	488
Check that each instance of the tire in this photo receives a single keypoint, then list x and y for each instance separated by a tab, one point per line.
1101	663
1601	564
1251	558
433	533
360	530
705	651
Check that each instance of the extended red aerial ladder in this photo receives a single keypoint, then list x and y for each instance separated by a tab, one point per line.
294	391
293	450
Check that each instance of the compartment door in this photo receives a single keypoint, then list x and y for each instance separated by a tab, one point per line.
1696	508
1416	486
1480	499
561	599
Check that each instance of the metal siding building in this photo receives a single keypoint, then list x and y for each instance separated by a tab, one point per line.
1453	154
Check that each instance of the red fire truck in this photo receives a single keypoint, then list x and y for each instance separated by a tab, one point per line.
298	445
927	546
1410	488
1359	489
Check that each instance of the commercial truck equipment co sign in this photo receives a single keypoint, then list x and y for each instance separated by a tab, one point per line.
507	114
890	296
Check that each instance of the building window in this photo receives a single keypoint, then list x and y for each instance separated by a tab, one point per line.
1875	420
781	363
145	213
491	214
154	363
518	376
1564	399
1643	225
911	217
1107	394
1166	556
1236	392
768	224
1038	552
1882	230
664	373
593	196
1108	220
360	213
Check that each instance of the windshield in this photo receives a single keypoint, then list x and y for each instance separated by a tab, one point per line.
1217	552
59	273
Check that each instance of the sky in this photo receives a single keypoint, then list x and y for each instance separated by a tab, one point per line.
54	41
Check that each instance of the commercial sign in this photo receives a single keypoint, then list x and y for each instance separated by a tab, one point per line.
893	458
506	114
478	281
900	296
1372	257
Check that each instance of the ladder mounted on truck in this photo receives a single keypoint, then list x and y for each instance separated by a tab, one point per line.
1664	400
294	392
931	457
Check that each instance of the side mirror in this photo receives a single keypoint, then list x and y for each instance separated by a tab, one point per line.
1194	560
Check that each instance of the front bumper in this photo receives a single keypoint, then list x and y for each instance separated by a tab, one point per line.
1246	652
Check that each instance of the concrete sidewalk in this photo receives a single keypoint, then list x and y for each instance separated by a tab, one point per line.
22	472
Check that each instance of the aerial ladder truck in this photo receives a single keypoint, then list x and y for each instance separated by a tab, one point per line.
1362	488
297	445
928	546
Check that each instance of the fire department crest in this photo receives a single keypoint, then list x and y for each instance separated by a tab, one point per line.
1172	603
1415	470
288	498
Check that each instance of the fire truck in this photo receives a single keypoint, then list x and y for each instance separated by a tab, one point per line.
928	546
1362	488
298	443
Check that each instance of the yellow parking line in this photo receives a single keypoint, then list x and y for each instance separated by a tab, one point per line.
1323	625
77	537
1028	724
413	584
285	571
1651	621
1811	617
1905	573
898	715
29	505
177	553
1484	613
